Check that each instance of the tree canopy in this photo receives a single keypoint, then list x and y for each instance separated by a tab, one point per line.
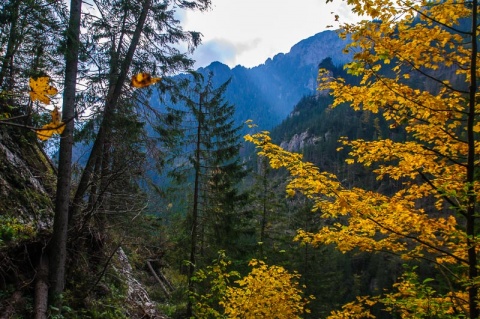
417	64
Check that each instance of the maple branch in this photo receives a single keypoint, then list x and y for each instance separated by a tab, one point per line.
443	155
445	197
415	68
429	260
442	268
408	98
6	122
436	21
414	238
381	79
450	286
411	116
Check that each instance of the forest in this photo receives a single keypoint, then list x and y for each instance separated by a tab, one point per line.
129	190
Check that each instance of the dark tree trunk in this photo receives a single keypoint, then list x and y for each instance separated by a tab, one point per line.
263	224
57	249
41	289
193	234
471	215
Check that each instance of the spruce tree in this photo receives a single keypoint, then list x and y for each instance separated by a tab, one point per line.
203	127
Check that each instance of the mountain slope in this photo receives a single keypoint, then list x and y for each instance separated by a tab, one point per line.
267	93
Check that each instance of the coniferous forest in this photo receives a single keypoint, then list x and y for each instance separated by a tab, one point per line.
133	186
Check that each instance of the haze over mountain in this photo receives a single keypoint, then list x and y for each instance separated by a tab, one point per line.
268	92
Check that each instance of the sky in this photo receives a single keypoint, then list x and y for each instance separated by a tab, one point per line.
248	32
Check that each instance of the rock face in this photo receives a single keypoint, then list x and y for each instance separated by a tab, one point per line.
27	185
320	46
296	143
299	141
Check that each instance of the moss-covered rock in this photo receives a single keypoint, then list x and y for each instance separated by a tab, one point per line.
27	186
27	181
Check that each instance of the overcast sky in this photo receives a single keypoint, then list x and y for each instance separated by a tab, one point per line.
247	32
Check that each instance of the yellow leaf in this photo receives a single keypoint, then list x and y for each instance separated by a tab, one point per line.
55	126
290	192
41	89
143	79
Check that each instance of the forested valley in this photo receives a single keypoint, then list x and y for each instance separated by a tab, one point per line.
131	186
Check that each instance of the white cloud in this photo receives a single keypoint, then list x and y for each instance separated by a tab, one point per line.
214	50
250	31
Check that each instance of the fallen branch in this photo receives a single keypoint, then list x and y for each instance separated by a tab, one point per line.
165	290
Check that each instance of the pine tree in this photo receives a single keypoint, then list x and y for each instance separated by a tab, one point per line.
210	140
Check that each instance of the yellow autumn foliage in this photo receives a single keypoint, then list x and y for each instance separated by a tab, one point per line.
267	292
56	126
417	68
41	90
143	79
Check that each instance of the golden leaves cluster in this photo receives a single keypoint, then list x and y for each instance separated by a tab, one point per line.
143	79
56	126
41	90
370	214
268	292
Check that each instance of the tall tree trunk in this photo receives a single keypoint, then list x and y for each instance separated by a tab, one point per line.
110	104
58	245
263	224
193	234
471	215
41	288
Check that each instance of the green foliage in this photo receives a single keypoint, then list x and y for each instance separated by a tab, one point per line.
416	298
111	306
60	313
108	300
213	282
411	297
12	229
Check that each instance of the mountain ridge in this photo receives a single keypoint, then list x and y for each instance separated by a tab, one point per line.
267	93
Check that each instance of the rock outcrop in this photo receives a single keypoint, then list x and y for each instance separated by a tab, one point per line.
299	141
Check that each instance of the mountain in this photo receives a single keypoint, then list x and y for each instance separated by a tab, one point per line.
268	92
